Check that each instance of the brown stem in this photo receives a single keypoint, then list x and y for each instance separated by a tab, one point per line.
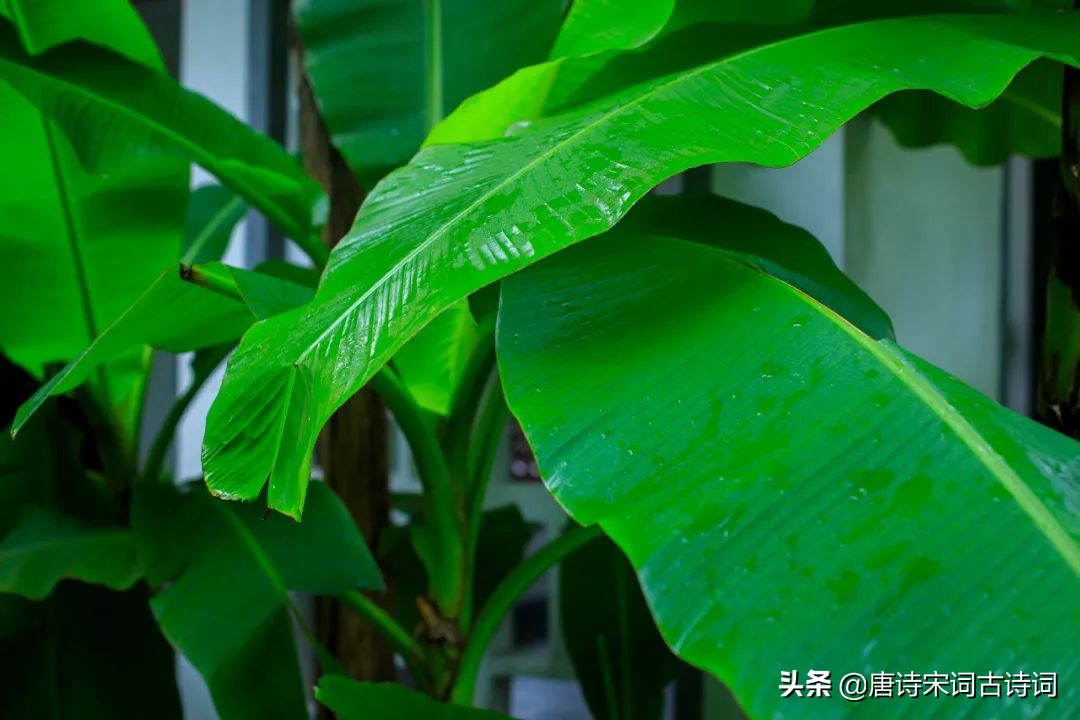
354	445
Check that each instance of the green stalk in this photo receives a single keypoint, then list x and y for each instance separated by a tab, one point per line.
490	423
445	547
402	642
502	600
213	278
466	402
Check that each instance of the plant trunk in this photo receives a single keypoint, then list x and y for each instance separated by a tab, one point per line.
354	445
1059	379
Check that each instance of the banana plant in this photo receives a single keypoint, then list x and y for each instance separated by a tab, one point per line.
771	482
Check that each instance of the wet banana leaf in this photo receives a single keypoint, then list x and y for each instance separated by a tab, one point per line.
460	217
794	493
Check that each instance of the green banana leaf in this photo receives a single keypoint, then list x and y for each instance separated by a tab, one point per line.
794	493
463	216
351	700
45	547
432	364
94	94
63	234
385	73
1024	120
79	245
211	555
597	25
177	315
84	651
114	24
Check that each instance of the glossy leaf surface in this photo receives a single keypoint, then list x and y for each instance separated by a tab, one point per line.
415	60
463	216
45	547
351	700
793	493
93	94
211	554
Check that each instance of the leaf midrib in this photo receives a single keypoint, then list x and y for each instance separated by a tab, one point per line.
442	230
923	389
584	131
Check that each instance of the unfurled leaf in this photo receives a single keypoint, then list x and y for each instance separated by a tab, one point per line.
79	245
619	657
793	493
463	216
228	558
351	700
416	60
44	547
111	108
